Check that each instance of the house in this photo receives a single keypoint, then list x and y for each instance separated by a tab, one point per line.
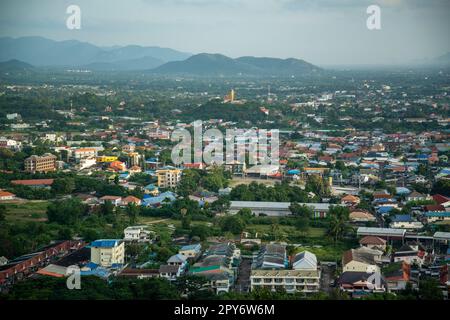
434	208
117	166
5	195
191	251
409	255
131	200
442	200
361	260
361	282
397	275
177	260
373	242
416	196
165	197
271	256
137	233
304	261
108	252
435	216
34	183
170	272
350	200
405	221
115	200
361	216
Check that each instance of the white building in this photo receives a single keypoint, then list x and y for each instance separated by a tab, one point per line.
137	233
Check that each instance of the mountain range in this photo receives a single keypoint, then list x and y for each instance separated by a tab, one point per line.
27	53
40	52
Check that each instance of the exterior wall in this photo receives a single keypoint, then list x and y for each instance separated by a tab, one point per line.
40	164
356	266
289	283
168	178
108	256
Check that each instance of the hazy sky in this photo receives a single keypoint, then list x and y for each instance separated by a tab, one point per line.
320	31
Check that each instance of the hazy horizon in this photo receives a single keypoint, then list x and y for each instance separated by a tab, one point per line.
322	32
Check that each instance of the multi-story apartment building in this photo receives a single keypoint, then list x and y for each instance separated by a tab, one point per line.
108	252
168	178
45	163
307	281
270	271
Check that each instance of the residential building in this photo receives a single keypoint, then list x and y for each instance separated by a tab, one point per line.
108	252
115	200
405	221
137	233
45	163
168	178
361	260
373	242
307	281
191	251
5	195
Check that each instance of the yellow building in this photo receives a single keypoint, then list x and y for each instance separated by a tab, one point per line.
168	178
108	252
103	159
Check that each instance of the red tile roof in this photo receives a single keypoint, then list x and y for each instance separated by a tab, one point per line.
33	182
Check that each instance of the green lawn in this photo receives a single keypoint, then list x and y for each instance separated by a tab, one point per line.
27	211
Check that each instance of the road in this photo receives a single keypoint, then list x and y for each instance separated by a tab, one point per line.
243	280
326	277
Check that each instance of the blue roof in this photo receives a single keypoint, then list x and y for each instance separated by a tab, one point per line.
402	218
293	171
159	199
402	190
105	243
196	246
438	214
385	209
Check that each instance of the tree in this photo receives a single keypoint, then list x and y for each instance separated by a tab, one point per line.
338	217
429	290
132	212
233	224
246	214
63	185
301	210
186	222
107	208
66	212
302	224
441	187
200	231
2	212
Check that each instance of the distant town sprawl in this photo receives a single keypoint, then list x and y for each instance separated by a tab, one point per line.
357	205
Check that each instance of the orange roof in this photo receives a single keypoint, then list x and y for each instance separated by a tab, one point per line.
131	199
85	150
34	182
350	198
6	194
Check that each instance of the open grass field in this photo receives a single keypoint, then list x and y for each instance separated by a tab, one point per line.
23	211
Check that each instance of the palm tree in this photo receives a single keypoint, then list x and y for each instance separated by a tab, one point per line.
338	222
